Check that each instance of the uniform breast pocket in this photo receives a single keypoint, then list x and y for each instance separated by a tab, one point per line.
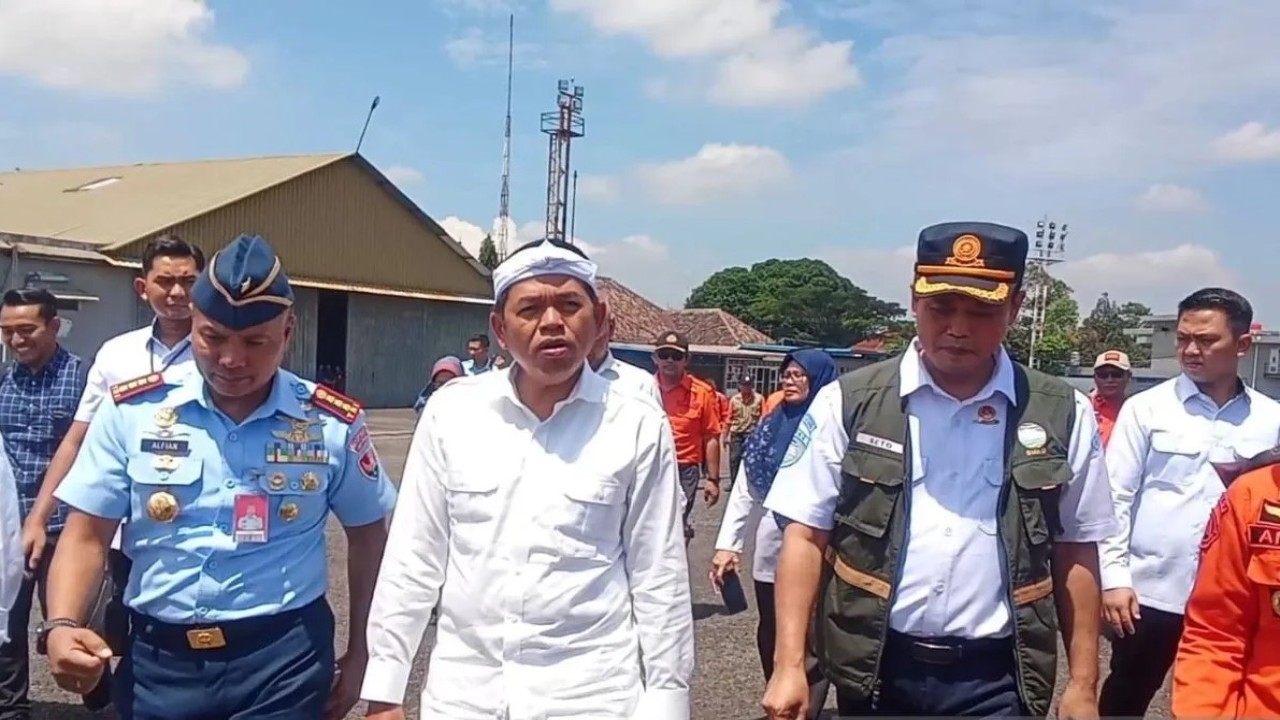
1173	457
297	495
471	496
1264	573
165	489
590	524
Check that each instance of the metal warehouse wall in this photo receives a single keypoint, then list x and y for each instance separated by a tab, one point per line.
301	357
392	343
95	322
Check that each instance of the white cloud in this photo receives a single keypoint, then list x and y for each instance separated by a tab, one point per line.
761	61
885	273
1172	199
716	171
467	233
124	47
1250	142
1166	276
403	176
474	47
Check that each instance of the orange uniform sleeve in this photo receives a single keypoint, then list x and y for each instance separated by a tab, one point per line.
1222	613
711	414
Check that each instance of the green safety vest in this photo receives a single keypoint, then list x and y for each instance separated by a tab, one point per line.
864	559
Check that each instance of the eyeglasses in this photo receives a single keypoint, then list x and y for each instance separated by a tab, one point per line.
794	376
671	355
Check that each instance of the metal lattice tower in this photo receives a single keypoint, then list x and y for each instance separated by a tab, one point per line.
504	202
562	125
1049	248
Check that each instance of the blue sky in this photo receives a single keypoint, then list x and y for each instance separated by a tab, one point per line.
719	132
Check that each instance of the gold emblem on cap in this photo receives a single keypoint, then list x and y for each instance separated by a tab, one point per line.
276	481
310	481
162	506
289	512
166	417
965	252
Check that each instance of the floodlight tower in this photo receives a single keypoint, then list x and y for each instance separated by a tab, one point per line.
1049	248
562	125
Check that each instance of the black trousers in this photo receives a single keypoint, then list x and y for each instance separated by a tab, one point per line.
942	677
1139	663
15	655
735	455
766	634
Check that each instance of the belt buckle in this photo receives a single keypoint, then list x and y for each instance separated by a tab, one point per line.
936	653
206	639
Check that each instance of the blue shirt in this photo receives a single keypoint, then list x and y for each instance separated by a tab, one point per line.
36	410
171	443
470	367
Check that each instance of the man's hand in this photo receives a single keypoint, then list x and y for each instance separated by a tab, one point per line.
711	491
1078	703
723	562
345	692
34	541
1120	610
787	697
381	711
77	658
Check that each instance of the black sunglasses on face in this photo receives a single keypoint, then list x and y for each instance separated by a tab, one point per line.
668	354
1108	374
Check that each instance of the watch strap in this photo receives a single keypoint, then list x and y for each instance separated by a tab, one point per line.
43	630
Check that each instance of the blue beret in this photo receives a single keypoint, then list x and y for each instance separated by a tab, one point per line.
243	285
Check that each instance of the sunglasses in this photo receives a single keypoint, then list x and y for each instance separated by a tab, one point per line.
669	354
1108	374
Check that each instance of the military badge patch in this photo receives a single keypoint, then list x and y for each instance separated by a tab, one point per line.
135	387
1264	536
1269	512
369	463
987	415
1213	529
800	441
336	404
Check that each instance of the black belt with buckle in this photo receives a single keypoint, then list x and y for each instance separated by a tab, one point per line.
947	650
235	635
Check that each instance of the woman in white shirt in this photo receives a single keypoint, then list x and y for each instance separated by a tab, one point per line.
804	372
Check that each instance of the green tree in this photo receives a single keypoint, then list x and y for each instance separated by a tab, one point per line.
1061	320
488	253
801	301
1105	327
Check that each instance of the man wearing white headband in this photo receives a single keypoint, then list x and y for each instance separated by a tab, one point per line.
540	511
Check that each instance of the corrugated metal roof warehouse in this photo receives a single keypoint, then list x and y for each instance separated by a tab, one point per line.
382	290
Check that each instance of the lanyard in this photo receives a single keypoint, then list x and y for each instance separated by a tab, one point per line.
174	354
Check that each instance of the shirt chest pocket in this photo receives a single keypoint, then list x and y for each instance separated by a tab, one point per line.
297	496
167	489
589	519
1174	456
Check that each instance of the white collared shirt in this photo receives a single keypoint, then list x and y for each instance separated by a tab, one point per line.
1164	486
12	559
629	376
555	552
952	581
127	356
742	509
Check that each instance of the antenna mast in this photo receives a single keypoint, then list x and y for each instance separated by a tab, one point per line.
563	125
504	203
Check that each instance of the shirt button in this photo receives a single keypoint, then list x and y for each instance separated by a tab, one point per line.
231	484
213	564
938	588
202	611
233	437
947	532
224	527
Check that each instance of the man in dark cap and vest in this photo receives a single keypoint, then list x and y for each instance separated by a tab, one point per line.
942	510
226	479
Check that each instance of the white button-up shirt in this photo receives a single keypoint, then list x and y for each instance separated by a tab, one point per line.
952	581
128	356
1165	487
12	559
555	551
629	376
743	507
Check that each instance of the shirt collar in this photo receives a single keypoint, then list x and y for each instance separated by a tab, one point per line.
285	397
605	364
154	341
1185	388
53	367
590	388
913	375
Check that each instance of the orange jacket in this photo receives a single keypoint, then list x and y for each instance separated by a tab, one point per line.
1228	662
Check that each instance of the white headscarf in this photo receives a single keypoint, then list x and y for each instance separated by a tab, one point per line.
542	259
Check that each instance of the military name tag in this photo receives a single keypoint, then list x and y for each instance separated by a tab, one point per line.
162	446
251	519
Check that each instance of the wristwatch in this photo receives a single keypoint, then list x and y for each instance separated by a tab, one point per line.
45	627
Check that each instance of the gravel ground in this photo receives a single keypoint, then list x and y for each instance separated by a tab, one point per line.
728	685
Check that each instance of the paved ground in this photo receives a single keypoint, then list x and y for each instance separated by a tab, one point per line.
728	685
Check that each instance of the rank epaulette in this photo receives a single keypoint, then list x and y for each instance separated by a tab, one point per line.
336	404
133	388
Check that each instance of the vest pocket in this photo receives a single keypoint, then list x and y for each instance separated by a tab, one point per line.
870	492
1039	482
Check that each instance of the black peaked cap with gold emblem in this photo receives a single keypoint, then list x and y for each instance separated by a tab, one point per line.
985	261
243	285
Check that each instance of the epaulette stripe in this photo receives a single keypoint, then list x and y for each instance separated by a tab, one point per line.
132	388
336	404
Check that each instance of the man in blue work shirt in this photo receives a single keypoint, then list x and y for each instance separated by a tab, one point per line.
479	360
226	479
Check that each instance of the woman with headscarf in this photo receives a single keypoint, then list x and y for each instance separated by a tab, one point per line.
804	372
446	368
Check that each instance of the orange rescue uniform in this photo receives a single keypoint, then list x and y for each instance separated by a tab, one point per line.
1228	662
722	401
694	413
1106	413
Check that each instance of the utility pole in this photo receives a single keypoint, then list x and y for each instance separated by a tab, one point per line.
1049	249
368	116
562	125
504	202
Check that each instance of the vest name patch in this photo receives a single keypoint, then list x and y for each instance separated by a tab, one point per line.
1264	536
878	442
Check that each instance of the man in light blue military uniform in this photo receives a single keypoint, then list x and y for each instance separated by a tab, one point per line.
226	480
